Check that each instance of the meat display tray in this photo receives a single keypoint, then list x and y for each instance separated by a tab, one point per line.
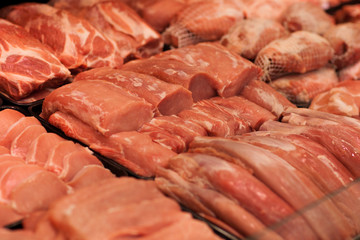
112	165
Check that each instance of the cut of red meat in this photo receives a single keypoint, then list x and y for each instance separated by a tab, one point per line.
88	175
288	183
93	103
74	41
40	148
265	96
245	109
4	150
26	64
348	13
167	98
21	144
351	72
7	118
16	128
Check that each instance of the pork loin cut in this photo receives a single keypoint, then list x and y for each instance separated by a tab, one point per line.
247	37
8	215
242	108
26	64
302	88
166	98
74	41
265	96
7	118
93	102
300	52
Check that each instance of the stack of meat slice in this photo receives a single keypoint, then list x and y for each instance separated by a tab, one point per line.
121	208
26	64
33	160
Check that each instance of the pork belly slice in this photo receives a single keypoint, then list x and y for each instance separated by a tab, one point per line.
40	148
328	174
88	175
248	36
302	88
133	208
103	105
16	128
289	183
26	64
300	52
265	96
344	38
237	183
21	144
245	109
75	42
216	120
166	98
306	16
8	215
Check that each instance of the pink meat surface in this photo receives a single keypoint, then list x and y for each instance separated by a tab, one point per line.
75	41
8	215
4	150
348	13
88	175
265	96
7	118
26	64
351	72
93	103
166	98
302	88
7	234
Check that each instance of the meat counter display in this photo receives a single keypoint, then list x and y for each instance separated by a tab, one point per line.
180	119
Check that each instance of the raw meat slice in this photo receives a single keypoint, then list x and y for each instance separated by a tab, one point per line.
6	234
139	153
88	175
21	144
15	129
56	161
75	41
348	137
288	183
247	37
26	64
93	103
345	40
8	215
237	183
133	208
242	108
47	186
302	88
176	126
306	16
40	148
265	96
351	72
7	118
74	162
348	13
300	52
4	150
220	206
176	71
167	98
343	99
203	21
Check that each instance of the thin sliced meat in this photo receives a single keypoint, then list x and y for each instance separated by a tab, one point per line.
8	215
307	16
300	52
88	175
288	182
7	118
75	42
203	21
47	186
74	162
15	129
26	64
166	98
245	109
21	144
302	88
40	148
265	96
93	103
248	36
